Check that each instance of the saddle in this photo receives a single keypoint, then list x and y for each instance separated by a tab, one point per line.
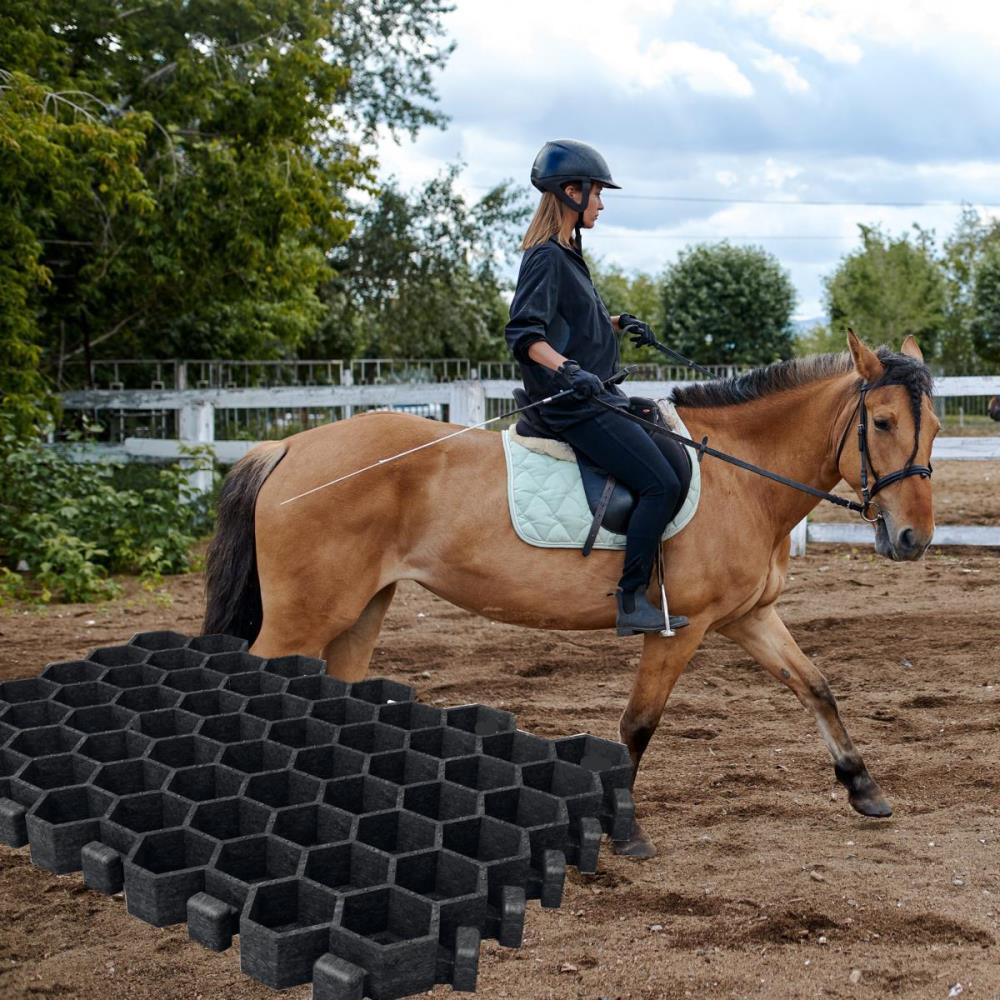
610	501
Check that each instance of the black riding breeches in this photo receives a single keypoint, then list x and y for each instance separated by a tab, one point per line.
623	448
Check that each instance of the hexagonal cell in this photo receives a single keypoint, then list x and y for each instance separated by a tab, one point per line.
118	744
277	706
317	687
284	928
330	762
440	875
380	691
118	656
592	753
481	720
361	794
27	690
177	659
294	666
485	839
283	788
342	711
133	675
233	728
397	832
163	871
481	773
99	718
149	811
256	756
158	640
149	698
302	732
213	702
393	935
213	644
544	816
235	663
372	737
11	763
254	684
44	741
518	747
128	777
205	781
312	824
33	714
87	693
258	859
166	722
193	679
562	779
185	751
226	819
57	771
347	866
441	800
73	672
61	822
444	743
404	767
410	715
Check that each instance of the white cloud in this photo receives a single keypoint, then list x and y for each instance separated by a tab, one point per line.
704	70
782	67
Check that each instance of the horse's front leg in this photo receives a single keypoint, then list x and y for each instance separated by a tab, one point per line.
661	664
764	636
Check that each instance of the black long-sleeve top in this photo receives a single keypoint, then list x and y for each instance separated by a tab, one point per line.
555	301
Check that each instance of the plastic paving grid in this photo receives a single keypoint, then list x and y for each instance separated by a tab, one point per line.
350	835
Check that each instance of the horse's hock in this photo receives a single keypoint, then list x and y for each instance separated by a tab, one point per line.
350	835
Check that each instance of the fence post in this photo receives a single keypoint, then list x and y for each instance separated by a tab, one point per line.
347	378
799	538
196	426
467	403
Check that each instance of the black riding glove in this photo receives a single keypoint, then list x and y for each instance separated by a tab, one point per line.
641	333
583	383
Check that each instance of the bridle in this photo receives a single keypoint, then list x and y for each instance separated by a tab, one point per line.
864	450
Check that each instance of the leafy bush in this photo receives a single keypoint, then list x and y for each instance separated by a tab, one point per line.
75	524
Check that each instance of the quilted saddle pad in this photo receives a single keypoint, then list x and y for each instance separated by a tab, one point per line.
548	506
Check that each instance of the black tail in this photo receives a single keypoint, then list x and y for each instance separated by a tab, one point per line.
233	604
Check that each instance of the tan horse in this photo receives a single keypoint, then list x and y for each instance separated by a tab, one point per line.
324	568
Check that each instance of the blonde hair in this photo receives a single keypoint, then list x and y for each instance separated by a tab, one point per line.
549	220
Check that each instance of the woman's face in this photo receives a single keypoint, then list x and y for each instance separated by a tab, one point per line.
594	206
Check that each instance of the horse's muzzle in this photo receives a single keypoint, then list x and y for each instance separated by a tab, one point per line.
904	545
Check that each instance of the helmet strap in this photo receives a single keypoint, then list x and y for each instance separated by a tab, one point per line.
580	207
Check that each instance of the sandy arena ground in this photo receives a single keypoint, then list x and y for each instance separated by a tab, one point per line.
767	884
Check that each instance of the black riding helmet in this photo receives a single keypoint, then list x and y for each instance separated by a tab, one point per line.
566	161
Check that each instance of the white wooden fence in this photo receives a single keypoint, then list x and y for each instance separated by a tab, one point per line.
467	404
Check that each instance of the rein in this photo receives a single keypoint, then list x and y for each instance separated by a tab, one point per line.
702	448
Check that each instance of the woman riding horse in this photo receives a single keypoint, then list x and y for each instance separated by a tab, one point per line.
561	333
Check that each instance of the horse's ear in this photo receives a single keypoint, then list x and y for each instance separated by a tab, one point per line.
865	359
911	348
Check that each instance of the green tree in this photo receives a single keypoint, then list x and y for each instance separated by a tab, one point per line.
820	339
421	274
725	304
192	210
637	293
888	288
985	307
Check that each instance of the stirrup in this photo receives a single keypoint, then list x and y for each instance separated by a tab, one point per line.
644	617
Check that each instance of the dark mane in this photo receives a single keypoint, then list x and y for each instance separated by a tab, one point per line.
783	375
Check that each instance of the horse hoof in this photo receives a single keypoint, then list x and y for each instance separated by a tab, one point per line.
876	806
637	846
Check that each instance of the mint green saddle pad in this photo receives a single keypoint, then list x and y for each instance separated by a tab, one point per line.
548	506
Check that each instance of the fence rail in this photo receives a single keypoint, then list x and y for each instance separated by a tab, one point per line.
195	412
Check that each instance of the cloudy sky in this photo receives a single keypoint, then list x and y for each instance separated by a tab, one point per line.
731	118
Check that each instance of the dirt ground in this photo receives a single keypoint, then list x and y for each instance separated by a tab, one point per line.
767	885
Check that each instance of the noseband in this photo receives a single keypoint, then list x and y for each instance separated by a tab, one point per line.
880	482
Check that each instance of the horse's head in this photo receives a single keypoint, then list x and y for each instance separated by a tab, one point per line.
900	426
993	408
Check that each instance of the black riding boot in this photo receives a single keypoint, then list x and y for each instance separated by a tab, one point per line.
636	614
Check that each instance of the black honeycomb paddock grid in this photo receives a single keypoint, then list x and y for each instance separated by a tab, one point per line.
349	834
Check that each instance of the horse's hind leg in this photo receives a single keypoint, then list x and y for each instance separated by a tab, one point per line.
348	655
764	636
662	662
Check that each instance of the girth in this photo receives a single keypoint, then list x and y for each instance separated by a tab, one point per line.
610	501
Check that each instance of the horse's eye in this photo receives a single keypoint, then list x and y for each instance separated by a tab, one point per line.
881	424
